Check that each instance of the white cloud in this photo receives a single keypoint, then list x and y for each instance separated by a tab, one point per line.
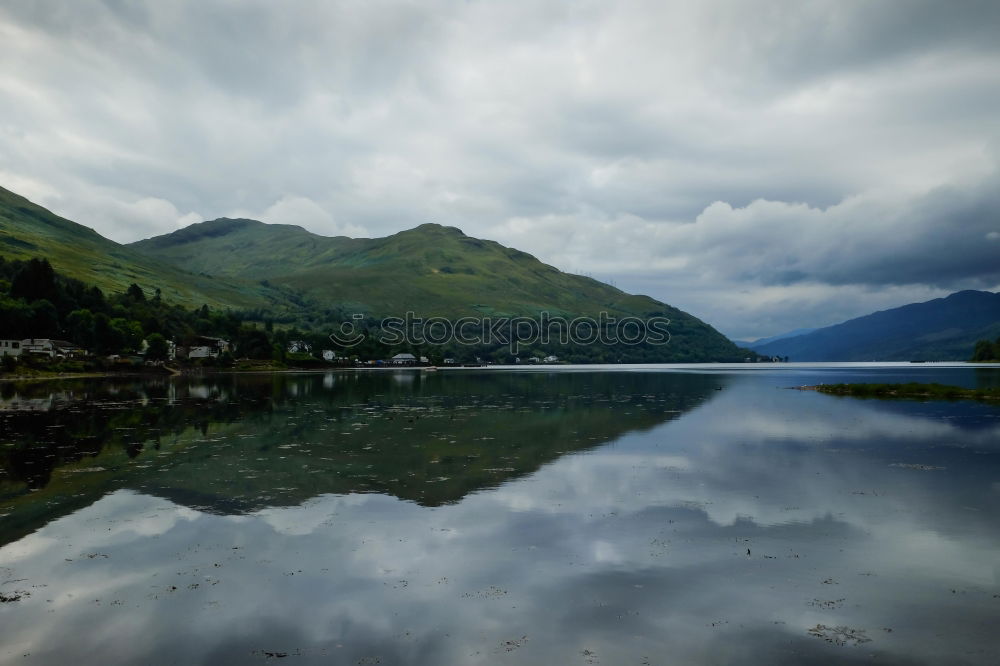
305	212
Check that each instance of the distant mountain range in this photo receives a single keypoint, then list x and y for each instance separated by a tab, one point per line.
763	341
284	270
944	329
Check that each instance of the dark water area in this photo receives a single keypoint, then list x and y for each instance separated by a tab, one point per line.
703	515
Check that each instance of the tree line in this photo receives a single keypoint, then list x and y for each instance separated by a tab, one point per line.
986	351
38	302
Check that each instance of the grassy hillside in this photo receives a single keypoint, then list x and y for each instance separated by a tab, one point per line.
431	270
28	230
286	273
944	329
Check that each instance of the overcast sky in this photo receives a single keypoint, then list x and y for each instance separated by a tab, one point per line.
763	165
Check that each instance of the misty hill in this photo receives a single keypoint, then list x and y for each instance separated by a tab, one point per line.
763	341
944	329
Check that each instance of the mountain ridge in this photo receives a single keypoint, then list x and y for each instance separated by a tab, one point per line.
288	273
435	257
28	230
941	329
753	344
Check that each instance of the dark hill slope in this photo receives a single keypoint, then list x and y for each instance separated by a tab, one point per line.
27	230
944	329
431	270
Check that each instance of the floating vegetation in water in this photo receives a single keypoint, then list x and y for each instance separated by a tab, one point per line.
826	605
513	644
839	635
492	592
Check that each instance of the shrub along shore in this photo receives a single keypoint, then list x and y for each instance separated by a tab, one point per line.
908	391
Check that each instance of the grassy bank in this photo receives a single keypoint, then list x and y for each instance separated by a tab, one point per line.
908	391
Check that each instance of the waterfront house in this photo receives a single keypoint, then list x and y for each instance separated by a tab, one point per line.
403	359
203	346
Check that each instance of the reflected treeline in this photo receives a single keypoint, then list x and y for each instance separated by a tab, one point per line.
45	425
238	443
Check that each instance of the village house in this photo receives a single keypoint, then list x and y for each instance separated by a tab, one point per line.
10	347
203	346
403	359
51	348
299	347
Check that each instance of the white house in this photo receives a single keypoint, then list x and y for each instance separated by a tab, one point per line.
10	347
550	359
51	348
404	359
204	347
329	355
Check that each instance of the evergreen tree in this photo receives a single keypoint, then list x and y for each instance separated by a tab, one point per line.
135	293
157	349
35	281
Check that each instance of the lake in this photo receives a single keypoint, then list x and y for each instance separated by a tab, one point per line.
609	515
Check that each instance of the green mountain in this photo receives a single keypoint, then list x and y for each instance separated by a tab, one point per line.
944	329
283	271
431	270
27	230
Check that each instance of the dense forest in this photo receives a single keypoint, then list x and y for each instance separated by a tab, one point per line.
37	302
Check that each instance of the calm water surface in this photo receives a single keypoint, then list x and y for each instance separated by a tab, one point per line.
643	516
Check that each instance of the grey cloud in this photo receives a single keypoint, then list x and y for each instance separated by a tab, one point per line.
840	148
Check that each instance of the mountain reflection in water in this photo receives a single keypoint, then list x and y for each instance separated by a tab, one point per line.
238	443
496	517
